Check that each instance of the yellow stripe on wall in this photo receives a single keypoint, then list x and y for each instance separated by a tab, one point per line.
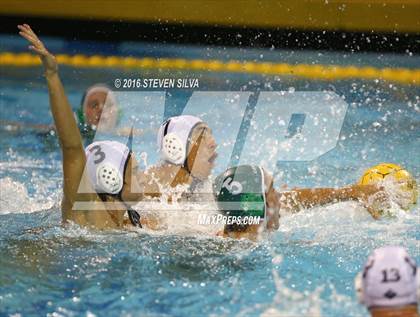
319	72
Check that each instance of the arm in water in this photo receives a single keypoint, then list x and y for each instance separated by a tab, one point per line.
371	196
74	158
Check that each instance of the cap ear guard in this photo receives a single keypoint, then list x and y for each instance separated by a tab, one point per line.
106	162
173	149
109	179
174	137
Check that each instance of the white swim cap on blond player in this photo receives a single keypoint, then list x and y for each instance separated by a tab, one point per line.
105	163
173	138
389	278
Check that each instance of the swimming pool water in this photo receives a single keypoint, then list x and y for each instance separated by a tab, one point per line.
305	269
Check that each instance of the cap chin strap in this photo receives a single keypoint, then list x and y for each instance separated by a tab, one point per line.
193	153
133	215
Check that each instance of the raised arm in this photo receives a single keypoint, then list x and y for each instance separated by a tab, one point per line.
67	130
68	133
373	197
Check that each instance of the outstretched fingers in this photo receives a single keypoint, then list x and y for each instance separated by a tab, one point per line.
30	32
24	32
27	33
27	36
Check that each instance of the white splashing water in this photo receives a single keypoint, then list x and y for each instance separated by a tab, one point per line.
183	217
14	198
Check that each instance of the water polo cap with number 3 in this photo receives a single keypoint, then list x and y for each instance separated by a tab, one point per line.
106	162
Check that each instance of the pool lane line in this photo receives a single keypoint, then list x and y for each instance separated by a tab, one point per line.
316	71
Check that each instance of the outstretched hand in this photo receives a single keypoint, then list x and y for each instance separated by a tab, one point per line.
48	60
376	200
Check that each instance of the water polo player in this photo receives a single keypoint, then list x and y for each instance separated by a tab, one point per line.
389	285
246	197
248	191
98	103
110	182
92	109
187	150
99	109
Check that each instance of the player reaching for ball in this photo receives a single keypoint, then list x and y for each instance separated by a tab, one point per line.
245	192
378	189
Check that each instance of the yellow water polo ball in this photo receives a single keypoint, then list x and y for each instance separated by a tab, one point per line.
395	173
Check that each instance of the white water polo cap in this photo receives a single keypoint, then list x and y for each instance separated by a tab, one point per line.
105	163
173	138
389	278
